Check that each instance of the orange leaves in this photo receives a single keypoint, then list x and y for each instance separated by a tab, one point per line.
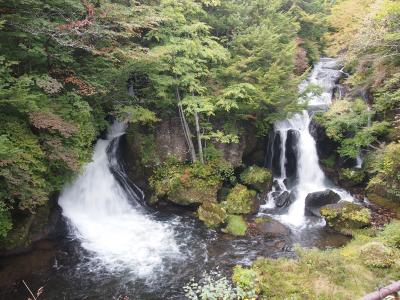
83	88
81	23
46	120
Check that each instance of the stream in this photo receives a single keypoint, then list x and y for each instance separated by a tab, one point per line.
115	246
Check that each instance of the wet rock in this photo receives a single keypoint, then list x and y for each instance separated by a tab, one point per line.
283	201
257	178
325	146
277	152
291	153
276	186
270	228
212	214
314	201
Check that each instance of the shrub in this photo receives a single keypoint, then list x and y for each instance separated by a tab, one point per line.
256	177
214	286
376	254
236	225
391	234
354	176
239	200
5	221
346	216
212	214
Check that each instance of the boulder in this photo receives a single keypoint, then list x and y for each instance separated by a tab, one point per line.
270	228
194	194
314	201
346	216
241	200
212	214
257	178
291	153
325	146
277	151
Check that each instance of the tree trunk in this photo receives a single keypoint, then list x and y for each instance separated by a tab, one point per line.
198	134
186	129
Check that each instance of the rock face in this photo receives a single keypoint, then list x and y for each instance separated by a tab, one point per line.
314	201
277	152
325	146
291	153
346	216
270	228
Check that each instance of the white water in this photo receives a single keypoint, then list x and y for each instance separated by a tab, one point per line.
119	234
310	177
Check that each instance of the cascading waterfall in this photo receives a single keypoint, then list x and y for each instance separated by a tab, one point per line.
108	219
299	172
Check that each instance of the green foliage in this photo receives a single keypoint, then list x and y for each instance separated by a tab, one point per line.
135	114
346	217
236	225
347	123
214	286
325	274
239	200
190	183
5	221
211	213
377	255
353	176
386	171
390	234
256	177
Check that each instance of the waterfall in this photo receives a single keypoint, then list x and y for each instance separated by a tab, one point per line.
308	176
108	219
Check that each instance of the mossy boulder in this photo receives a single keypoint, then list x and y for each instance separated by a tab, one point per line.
212	214
187	184
346	216
236	225
270	228
257	178
351	177
194	193
240	200
376	254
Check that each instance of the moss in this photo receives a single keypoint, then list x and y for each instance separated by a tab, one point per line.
212	214
239	200
187	184
376	254
256	177
244	278
390	235
346	216
346	273
236	225
330	162
351	176
384	202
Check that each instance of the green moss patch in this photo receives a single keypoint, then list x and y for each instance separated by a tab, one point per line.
257	178
212	214
239	200
346	217
368	262
236	225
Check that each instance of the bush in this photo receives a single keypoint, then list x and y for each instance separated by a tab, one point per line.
345	217
377	255
214	286
189	183
212	214
256	177
239	200
391	234
355	177
236	225
5	221
386	166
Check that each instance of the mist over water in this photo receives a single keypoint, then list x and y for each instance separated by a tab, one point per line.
118	232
